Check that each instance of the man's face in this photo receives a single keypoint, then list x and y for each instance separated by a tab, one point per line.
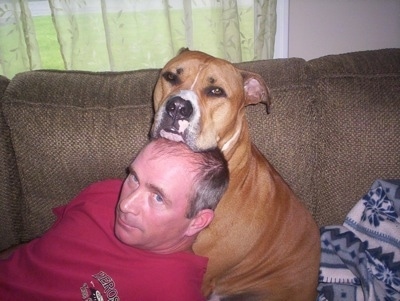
151	212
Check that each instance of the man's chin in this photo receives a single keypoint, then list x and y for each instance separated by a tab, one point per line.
125	233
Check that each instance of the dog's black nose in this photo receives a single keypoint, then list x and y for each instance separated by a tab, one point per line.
179	108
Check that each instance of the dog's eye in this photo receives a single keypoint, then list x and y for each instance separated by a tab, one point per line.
171	77
216	92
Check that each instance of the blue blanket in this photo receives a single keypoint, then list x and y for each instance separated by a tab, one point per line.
361	259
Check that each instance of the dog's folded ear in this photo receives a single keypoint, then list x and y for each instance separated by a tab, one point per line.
255	89
183	49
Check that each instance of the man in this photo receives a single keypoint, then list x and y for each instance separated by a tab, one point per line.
136	249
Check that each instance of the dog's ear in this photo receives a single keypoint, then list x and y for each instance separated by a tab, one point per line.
183	49
255	89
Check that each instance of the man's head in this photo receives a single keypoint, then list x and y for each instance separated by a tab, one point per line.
169	196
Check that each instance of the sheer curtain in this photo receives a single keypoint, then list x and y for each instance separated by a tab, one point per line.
102	35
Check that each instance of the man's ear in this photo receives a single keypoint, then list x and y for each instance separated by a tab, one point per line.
200	221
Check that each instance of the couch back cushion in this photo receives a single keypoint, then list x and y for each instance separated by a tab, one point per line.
358	138
10	187
285	135
70	129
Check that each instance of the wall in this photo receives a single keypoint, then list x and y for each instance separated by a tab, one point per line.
321	27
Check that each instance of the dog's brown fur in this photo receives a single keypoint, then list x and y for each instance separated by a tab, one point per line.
263	242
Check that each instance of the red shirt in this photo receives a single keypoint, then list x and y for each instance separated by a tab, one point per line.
80	258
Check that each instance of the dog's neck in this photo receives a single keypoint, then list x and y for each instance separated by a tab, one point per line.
237	149
228	145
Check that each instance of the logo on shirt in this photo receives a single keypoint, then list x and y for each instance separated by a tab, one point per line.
91	293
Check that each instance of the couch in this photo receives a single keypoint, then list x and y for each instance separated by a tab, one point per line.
334	128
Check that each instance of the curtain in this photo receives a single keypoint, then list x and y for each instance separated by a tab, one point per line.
107	35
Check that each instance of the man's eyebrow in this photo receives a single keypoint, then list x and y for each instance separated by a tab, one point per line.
131	169
160	191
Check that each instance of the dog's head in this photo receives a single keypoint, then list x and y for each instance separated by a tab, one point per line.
200	100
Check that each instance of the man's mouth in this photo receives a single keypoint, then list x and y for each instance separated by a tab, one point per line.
126	225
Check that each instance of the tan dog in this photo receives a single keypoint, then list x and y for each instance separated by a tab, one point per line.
263	244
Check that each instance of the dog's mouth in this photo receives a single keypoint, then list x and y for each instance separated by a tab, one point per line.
171	136
175	119
175	130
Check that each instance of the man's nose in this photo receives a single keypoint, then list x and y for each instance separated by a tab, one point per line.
131	203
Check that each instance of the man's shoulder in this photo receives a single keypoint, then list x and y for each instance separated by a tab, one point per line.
108	185
99	191
93	208
179	275
186	265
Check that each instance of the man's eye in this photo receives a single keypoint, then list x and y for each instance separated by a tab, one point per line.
133	178
158	198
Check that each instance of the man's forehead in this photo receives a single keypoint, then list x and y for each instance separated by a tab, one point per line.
171	174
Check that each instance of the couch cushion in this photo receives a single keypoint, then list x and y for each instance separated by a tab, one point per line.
10	187
69	138
285	135
4	81
359	127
